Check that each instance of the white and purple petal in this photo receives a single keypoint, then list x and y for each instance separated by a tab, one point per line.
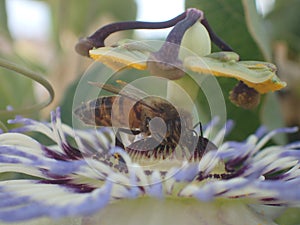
19	203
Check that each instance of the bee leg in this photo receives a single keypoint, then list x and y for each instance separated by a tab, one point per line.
121	162
129	131
118	140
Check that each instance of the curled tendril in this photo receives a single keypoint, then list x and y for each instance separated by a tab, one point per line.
31	75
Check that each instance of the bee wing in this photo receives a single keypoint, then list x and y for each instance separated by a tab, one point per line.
132	90
128	91
144	147
124	89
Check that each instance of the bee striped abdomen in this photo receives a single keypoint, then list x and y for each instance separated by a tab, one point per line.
110	111
96	112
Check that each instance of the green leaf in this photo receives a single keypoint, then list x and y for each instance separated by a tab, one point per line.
257	29
271	117
3	20
290	217
283	23
66	104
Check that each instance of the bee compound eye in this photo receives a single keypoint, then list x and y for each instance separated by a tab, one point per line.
158	127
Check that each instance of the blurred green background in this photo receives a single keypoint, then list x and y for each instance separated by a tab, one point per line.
256	31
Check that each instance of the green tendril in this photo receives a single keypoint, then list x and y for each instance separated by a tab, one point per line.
31	75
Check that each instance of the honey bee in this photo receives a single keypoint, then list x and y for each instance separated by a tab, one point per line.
161	125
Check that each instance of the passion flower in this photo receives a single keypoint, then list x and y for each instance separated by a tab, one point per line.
83	182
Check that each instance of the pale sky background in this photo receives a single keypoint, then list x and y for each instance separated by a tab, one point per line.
37	25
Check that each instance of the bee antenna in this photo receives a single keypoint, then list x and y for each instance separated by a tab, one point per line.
194	127
201	130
